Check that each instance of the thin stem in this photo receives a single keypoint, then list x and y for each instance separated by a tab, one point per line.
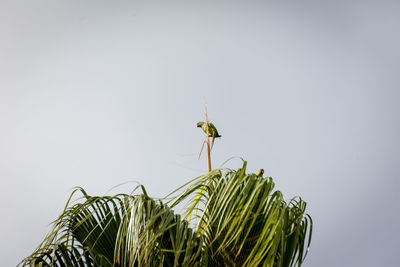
208	142
209	154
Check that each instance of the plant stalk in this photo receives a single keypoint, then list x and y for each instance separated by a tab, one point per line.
208	142
209	154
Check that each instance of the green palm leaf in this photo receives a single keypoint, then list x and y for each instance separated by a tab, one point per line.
230	218
245	223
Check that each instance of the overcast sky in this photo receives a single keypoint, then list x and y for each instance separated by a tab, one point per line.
95	93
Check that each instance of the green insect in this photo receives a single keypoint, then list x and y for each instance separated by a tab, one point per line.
212	131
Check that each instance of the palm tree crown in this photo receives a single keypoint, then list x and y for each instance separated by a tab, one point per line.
230	219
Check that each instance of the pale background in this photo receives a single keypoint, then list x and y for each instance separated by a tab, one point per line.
96	93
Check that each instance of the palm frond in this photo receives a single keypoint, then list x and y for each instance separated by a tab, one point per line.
244	222
87	230
120	230
231	218
152	235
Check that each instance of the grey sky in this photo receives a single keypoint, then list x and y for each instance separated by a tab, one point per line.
97	93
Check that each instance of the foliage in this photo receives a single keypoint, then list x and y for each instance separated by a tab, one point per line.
231	219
